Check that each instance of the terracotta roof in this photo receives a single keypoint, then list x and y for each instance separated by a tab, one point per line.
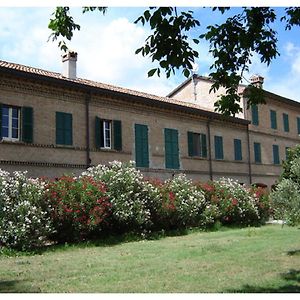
94	84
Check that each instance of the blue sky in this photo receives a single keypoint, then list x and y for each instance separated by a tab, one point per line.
106	46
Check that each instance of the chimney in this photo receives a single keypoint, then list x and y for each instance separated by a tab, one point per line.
257	81
69	60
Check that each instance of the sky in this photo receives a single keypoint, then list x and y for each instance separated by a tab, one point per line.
106	48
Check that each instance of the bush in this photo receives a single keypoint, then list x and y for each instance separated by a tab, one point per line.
263	203
182	203
80	206
133	199
25	221
229	202
286	199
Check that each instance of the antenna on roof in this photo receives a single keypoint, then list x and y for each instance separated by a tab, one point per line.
194	73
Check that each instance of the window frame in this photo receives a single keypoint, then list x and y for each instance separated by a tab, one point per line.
10	128
105	146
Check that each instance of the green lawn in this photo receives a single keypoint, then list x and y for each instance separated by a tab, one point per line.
265	259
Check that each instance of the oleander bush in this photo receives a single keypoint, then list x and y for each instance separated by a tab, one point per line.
117	198
229	202
181	203
133	199
80	207
25	220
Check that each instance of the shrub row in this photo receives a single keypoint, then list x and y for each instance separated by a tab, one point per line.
117	198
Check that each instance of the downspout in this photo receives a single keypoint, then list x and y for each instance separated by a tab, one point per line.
209	150
249	158
87	126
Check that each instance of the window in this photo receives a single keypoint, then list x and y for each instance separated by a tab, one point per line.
257	153
108	134
273	119
276	159
171	149
286	126
254	110
64	134
10	123
141	146
197	144
298	125
219	147
238	149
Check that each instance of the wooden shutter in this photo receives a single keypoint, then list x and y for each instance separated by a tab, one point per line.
68	120
171	149
203	145
286	126
141	146
219	147
276	159
254	110
97	132
60	128
298	125
257	153
190	143
273	119
27	124
237	149
117	129
0	121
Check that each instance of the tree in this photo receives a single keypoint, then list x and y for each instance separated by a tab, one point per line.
232	44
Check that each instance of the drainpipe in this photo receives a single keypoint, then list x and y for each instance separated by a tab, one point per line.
249	158
209	150
87	126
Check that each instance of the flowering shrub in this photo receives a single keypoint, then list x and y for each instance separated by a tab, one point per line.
80	206
133	199
182	203
263	203
24	215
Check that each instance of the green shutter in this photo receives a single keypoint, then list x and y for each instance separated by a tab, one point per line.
171	149
219	147
276	159
68	129
298	125
64	128
60	128
238	149
273	119
97	133
117	128
0	121
203	145
257	153
190	143
141	146
27	124
286	126
254	110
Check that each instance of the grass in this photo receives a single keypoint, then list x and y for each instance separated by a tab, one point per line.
265	259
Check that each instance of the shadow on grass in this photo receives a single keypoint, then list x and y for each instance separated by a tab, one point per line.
16	286
293	286
294	252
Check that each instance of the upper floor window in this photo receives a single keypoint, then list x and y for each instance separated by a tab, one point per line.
254	111
286	126
10	123
237	149
298	125
257	152
273	119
